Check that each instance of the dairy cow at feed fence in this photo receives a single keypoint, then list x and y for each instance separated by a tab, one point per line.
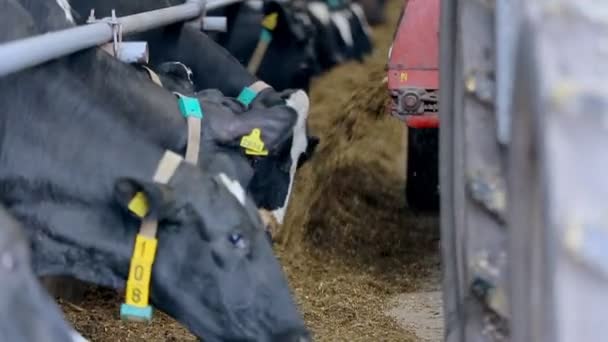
342	30
274	39
27	313
89	182
287	145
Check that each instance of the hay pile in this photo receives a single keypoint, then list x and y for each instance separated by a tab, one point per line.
349	244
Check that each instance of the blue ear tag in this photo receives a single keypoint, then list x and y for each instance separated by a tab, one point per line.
265	36
333	3
246	96
189	106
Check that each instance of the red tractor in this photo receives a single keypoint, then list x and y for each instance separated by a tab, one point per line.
413	82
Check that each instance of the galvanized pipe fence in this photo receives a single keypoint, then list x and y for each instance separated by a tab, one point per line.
31	51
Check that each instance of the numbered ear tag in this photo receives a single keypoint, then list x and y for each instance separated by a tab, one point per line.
253	143
139	205
136	306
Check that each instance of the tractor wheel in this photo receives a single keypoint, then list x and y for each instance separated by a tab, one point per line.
422	182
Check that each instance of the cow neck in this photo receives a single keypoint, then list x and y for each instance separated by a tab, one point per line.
143	105
62	155
212	65
191	110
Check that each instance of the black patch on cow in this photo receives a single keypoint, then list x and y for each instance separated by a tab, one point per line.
313	142
270	182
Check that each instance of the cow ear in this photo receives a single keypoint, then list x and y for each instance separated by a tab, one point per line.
145	199
267	98
275	125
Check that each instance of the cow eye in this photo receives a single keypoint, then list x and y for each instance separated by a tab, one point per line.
237	240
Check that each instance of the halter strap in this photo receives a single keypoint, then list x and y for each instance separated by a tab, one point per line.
153	76
268	25
248	94
190	108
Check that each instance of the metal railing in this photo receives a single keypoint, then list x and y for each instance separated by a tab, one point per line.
28	52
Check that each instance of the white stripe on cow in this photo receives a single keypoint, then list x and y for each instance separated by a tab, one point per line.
67	9
341	20
320	11
234	187
300	102
358	10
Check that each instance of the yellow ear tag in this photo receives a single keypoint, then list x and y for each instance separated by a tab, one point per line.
254	153
139	205
253	143
140	271
270	21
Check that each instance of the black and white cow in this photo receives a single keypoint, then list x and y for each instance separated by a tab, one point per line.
71	162
27	313
342	30
290	60
281	117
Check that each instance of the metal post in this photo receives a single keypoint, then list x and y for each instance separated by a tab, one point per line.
32	51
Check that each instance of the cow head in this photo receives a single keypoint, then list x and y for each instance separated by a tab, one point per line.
292	47
215	271
282	120
290	60
27	313
274	175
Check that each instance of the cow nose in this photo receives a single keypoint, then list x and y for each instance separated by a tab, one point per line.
295	335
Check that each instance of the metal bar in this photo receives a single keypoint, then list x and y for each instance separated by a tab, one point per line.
130	52
25	53
219	24
215	4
